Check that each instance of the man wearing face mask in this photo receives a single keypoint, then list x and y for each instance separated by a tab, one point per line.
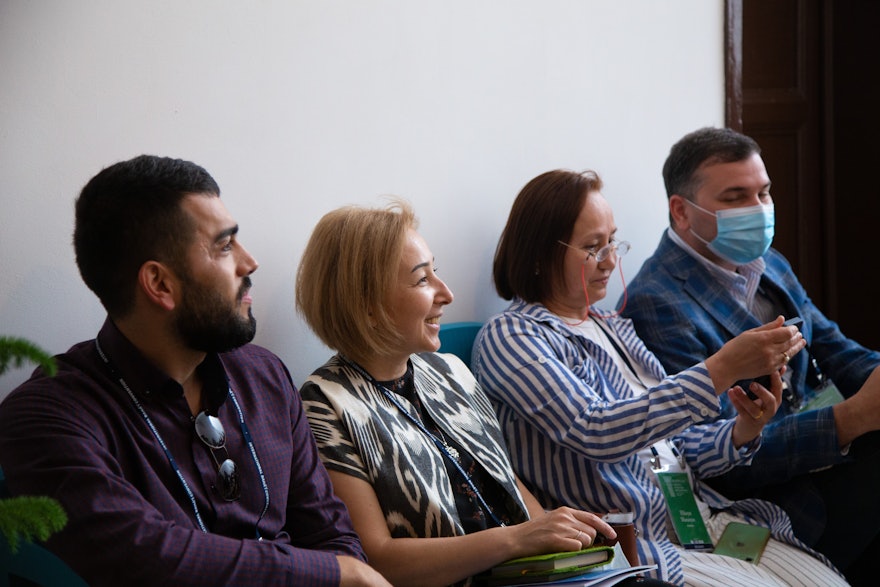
713	276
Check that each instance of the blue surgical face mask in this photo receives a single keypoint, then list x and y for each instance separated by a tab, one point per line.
744	234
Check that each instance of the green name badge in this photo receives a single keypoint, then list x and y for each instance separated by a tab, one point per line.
827	395
683	510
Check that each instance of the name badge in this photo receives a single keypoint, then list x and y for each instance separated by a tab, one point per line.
683	510
826	395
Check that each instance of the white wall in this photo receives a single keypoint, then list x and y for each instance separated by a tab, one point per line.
297	107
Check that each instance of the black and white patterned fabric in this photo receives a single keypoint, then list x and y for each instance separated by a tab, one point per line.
360	432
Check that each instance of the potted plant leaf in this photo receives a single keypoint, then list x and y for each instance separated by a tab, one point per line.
27	518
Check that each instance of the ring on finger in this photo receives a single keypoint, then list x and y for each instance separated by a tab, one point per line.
578	537
785	358
760	415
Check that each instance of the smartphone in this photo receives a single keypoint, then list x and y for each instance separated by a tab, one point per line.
743	541
765	379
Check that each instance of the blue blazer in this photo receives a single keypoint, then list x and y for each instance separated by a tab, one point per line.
684	315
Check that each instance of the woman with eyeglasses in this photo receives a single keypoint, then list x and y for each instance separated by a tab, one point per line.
591	418
412	444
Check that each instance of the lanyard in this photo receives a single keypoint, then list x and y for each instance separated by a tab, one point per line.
623	355
421	426
244	431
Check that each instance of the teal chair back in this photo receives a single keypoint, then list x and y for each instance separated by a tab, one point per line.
458	338
32	565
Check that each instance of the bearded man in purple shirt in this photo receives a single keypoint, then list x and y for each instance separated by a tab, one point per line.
179	451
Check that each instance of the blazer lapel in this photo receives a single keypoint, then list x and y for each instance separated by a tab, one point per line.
697	281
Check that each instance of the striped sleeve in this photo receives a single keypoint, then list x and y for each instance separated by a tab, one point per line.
570	396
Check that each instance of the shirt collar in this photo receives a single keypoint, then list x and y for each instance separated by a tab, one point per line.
540	313
742	283
151	383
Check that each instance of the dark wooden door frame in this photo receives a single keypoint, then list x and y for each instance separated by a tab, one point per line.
733	96
823	233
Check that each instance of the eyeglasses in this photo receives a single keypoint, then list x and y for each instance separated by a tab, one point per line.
619	248
210	431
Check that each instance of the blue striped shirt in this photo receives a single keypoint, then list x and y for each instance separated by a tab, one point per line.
574	426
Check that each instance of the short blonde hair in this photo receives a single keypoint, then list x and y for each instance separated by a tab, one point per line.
346	270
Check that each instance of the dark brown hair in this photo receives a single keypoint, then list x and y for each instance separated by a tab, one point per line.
528	260
129	214
706	145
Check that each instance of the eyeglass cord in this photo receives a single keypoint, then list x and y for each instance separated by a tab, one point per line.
244	431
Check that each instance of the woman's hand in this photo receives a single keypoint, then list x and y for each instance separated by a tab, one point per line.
429	562
559	530
753	353
753	415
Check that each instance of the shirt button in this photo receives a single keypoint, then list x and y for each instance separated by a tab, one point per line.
704	412
542	360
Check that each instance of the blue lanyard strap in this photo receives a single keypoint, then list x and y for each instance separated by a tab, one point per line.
421	426
171	460
246	433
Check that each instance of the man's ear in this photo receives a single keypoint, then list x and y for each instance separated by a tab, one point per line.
678	212
159	284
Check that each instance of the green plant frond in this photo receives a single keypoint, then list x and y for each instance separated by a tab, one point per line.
30	518
15	351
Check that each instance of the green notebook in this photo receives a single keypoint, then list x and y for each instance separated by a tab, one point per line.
550	567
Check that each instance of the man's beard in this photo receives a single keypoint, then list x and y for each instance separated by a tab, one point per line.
207	322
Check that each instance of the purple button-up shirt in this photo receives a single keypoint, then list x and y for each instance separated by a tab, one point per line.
79	437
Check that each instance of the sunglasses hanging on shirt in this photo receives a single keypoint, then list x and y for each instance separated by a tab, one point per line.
211	433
